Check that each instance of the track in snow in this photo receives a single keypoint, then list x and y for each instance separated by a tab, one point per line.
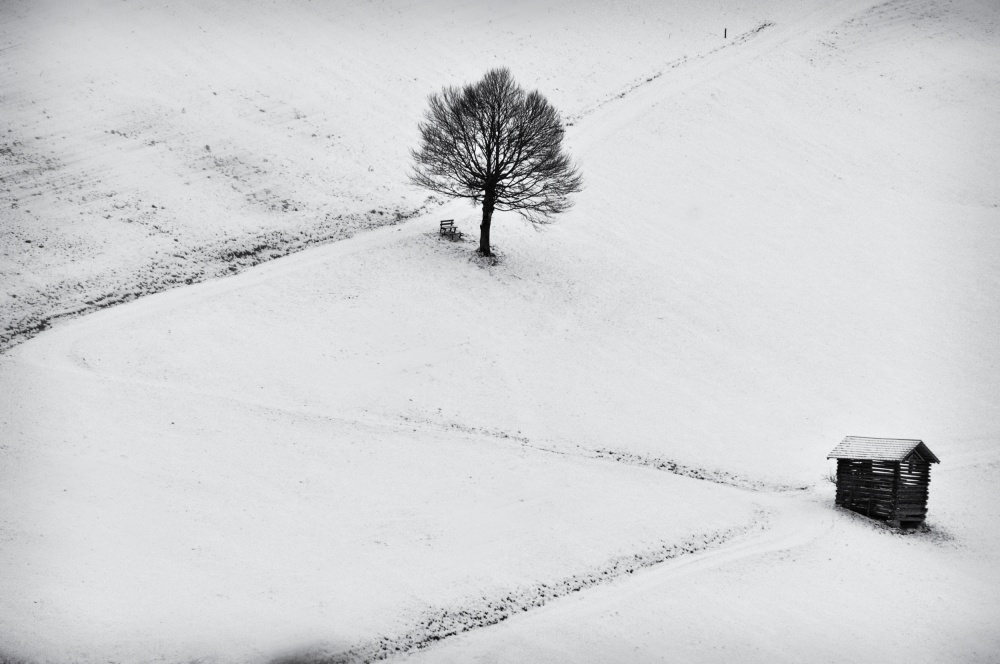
618	456
784	523
670	66
442	623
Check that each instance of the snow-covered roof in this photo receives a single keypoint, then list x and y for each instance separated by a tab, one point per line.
880	449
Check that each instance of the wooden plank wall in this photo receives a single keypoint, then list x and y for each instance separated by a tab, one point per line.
867	487
911	491
884	490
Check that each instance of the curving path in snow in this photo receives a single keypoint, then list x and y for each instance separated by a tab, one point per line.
386	445
777	525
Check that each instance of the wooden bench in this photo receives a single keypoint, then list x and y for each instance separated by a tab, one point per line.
448	229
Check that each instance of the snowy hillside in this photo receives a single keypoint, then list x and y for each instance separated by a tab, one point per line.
612	440
148	145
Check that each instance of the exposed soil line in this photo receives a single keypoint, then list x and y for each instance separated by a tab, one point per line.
709	475
670	66
632	459
194	265
441	623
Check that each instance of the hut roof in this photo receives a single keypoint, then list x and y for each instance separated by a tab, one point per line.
881	449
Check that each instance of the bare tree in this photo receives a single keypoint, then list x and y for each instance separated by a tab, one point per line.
498	145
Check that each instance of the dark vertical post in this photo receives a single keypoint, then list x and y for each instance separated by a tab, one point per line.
724	30
895	492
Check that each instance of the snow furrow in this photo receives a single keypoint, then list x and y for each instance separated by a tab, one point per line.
714	475
709	475
442	623
739	40
190	265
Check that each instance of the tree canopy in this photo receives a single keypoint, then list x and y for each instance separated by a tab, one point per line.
498	145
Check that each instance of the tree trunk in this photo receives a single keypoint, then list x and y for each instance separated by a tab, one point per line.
484	228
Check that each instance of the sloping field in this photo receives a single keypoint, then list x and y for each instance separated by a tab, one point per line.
817	586
148	145
179	524
611	439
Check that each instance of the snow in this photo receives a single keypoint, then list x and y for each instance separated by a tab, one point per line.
384	442
818	585
188	522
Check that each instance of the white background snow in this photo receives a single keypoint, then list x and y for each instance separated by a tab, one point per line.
607	446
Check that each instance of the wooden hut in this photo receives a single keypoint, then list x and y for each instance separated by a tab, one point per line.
884	478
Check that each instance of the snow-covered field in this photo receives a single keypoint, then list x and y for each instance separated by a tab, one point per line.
607	446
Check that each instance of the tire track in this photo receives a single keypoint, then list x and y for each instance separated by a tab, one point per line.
65	300
670	66
715	476
441	623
